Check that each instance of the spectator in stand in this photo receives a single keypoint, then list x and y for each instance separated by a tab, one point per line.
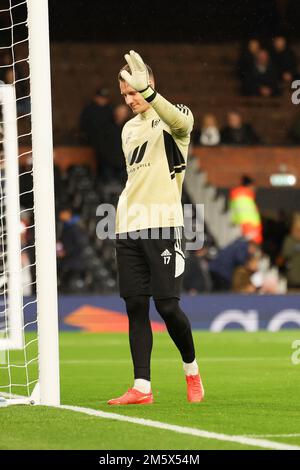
121	115
115	166
284	59
248	279
276	227
243	281
223	265
197	278
238	133
246	62
209	133
95	121
262	78
290	254
244	211
73	239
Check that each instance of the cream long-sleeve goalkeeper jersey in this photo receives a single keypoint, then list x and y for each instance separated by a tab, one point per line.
155	145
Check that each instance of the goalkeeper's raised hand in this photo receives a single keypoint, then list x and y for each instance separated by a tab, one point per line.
139	77
180	119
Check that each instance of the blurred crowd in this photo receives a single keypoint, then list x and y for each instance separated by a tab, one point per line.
265	259
101	126
265	68
235	131
246	265
87	264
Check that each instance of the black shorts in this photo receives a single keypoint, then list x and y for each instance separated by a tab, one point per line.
152	264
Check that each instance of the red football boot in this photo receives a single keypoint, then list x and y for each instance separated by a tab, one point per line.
132	397
195	390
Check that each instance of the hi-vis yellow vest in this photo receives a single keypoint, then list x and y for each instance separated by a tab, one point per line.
244	212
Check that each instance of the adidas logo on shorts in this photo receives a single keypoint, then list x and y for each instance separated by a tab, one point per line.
167	256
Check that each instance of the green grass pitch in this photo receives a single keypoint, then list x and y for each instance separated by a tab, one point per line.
252	389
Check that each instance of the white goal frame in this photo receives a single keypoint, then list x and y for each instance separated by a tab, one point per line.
14	290
47	390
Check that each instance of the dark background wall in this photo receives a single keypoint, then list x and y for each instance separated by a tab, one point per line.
194	21
164	20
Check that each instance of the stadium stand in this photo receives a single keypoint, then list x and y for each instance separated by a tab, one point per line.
211	86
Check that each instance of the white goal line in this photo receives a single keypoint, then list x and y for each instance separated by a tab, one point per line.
243	440
248	440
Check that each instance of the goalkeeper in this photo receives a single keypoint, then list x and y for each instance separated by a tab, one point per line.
155	144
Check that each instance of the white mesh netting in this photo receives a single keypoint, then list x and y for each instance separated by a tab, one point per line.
18	312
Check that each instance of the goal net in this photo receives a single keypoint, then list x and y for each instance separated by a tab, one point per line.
28	299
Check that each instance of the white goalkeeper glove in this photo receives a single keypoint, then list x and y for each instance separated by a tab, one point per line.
139	77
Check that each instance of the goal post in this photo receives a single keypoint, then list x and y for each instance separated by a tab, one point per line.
12	211
43	183
16	337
